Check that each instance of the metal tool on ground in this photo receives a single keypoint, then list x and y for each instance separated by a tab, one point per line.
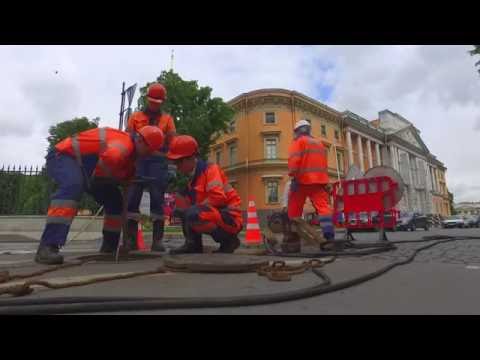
279	225
125	248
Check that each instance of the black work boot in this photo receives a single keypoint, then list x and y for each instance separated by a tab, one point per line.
48	254
228	245
193	245
110	242
158	229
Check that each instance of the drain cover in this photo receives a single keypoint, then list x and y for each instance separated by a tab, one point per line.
214	263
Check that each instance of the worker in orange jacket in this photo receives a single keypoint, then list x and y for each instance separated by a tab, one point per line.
209	204
308	168
78	164
154	166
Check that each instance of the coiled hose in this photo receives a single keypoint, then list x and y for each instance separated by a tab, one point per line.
70	305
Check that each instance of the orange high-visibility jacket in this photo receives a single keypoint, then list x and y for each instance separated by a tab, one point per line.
307	161
210	186
139	119
115	150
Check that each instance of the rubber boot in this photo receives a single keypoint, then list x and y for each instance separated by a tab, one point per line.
193	244
228	245
49	255
110	242
158	230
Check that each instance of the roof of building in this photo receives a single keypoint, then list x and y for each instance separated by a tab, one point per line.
297	94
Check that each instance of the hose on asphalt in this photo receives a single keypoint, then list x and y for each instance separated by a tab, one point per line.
75	305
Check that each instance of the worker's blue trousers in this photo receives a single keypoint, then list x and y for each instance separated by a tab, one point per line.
68	176
154	167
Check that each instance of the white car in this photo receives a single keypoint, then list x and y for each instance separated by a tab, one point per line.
454	221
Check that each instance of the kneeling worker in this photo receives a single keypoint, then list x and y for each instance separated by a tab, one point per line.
77	164
209	205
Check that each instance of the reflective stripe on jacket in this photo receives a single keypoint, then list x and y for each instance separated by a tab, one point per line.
307	161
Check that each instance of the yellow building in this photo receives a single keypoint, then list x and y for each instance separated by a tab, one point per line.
254	152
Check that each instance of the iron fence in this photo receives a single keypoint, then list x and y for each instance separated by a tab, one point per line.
27	191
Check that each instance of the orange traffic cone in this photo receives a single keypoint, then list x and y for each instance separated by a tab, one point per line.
253	235
140	242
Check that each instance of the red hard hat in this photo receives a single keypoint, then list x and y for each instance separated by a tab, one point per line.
153	136
182	146
156	93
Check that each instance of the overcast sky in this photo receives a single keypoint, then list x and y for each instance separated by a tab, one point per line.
435	87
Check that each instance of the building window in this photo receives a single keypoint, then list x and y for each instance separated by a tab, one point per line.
337	135
272	192
340	161
270	118
323	130
232	151
231	126
218	156
271	145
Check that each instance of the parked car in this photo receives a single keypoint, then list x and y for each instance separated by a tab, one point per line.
473	221
413	221
453	221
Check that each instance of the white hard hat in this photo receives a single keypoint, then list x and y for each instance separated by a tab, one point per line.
301	123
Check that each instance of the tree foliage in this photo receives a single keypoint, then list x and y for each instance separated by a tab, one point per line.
476	51
194	110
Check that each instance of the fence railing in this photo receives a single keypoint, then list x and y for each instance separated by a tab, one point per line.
26	190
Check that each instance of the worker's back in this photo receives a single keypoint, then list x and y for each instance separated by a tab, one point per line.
307	161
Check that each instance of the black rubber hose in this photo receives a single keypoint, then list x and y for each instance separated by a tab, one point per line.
205	302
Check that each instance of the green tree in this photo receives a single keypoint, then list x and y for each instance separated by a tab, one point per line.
194	110
476	51
68	128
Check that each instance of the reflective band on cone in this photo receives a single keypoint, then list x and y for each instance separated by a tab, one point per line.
253	235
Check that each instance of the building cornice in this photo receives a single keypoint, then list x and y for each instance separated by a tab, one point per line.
284	97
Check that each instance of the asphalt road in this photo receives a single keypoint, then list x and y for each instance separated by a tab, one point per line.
441	280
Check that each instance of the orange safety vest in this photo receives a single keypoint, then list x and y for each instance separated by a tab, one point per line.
307	161
210	187
139	119
115	150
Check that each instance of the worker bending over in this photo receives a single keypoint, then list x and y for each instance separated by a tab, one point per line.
90	162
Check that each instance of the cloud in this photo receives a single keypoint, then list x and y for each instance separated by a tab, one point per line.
435	87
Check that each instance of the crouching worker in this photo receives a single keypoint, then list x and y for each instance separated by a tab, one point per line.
209	205
92	161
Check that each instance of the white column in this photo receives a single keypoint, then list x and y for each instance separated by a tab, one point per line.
392	156
360	152
377	150
350	149
369	150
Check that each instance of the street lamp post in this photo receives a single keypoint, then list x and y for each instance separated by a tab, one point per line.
125	113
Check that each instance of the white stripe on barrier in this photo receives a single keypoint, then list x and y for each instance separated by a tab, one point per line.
253	226
251	214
